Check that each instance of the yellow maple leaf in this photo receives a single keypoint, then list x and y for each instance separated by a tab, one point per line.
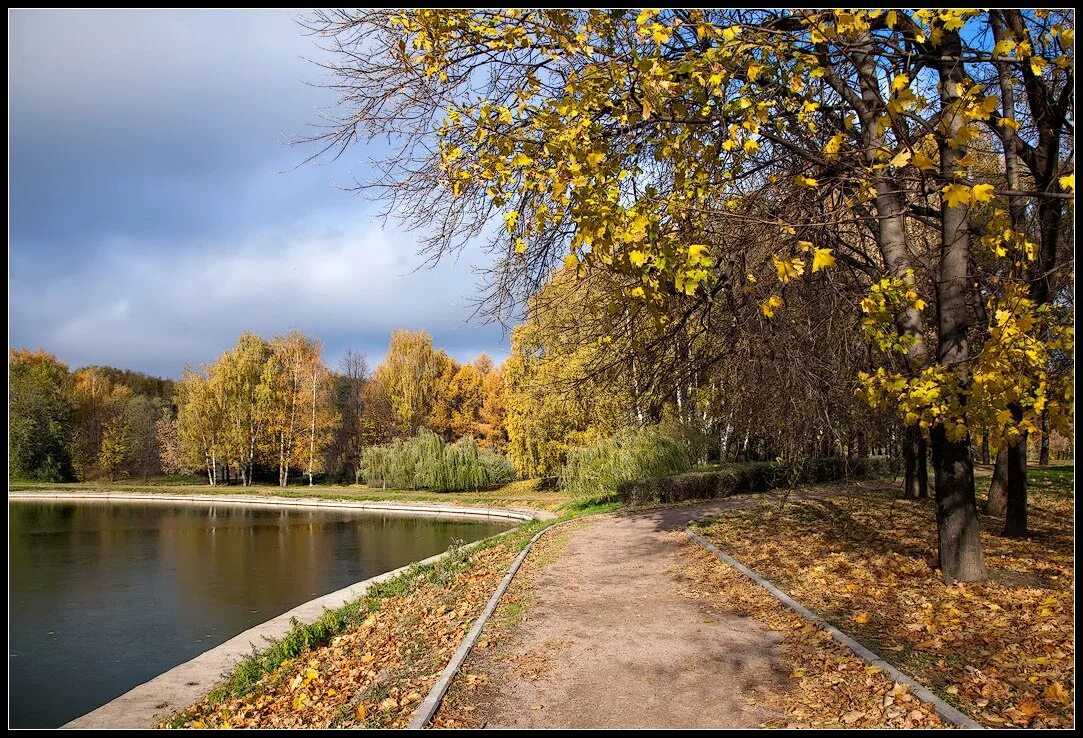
901	159
697	252
922	161
770	305
956	195
822	259
638	258
788	268
751	146
1067	183
571	261
981	193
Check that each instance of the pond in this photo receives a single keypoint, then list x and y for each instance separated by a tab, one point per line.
106	595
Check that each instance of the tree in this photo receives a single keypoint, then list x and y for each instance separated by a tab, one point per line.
297	374
117	433
629	143
244	379
343	453
492	427
408	376
200	424
141	416
170	452
39	411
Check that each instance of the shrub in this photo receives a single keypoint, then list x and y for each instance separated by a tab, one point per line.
426	462
749	477
626	456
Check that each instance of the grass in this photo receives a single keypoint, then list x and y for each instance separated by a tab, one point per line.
527	493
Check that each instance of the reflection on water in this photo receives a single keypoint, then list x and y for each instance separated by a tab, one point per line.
104	595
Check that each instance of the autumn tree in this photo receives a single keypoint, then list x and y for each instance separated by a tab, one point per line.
39	411
343	452
612	141
409	376
492	426
200	424
300	409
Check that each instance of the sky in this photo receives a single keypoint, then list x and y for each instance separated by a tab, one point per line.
157	210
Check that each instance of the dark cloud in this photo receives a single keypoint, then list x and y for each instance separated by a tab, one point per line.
154	215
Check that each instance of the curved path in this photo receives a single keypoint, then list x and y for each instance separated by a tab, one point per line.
146	704
610	639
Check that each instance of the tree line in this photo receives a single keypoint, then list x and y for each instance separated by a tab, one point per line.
265	410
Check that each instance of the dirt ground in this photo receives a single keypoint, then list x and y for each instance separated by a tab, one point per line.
598	632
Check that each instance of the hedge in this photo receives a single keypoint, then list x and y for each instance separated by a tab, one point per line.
743	478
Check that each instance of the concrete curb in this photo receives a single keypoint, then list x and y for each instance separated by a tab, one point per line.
416	508
946	711
428	707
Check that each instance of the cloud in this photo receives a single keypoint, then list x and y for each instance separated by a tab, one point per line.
157	308
154	212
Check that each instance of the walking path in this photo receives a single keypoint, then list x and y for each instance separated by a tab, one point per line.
610	638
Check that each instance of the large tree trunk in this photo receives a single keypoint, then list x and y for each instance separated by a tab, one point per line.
916	475
958	532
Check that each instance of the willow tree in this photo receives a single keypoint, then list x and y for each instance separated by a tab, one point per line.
628	143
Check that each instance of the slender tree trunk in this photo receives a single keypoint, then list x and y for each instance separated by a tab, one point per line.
312	433
997	502
985	446
958	532
1043	454
916	475
1015	516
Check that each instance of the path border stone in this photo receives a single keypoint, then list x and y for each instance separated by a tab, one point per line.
946	711
428	707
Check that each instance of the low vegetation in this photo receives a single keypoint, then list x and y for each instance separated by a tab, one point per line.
626	456
425	461
740	478
1003	651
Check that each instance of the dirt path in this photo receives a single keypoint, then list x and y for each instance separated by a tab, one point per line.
608	637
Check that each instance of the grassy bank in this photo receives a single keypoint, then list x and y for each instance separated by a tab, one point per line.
1002	651
528	493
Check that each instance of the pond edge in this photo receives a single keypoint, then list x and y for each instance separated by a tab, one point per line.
144	705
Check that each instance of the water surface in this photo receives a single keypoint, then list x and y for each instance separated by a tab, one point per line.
106	595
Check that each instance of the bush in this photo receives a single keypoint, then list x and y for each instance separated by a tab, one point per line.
733	479
626	456
426	462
